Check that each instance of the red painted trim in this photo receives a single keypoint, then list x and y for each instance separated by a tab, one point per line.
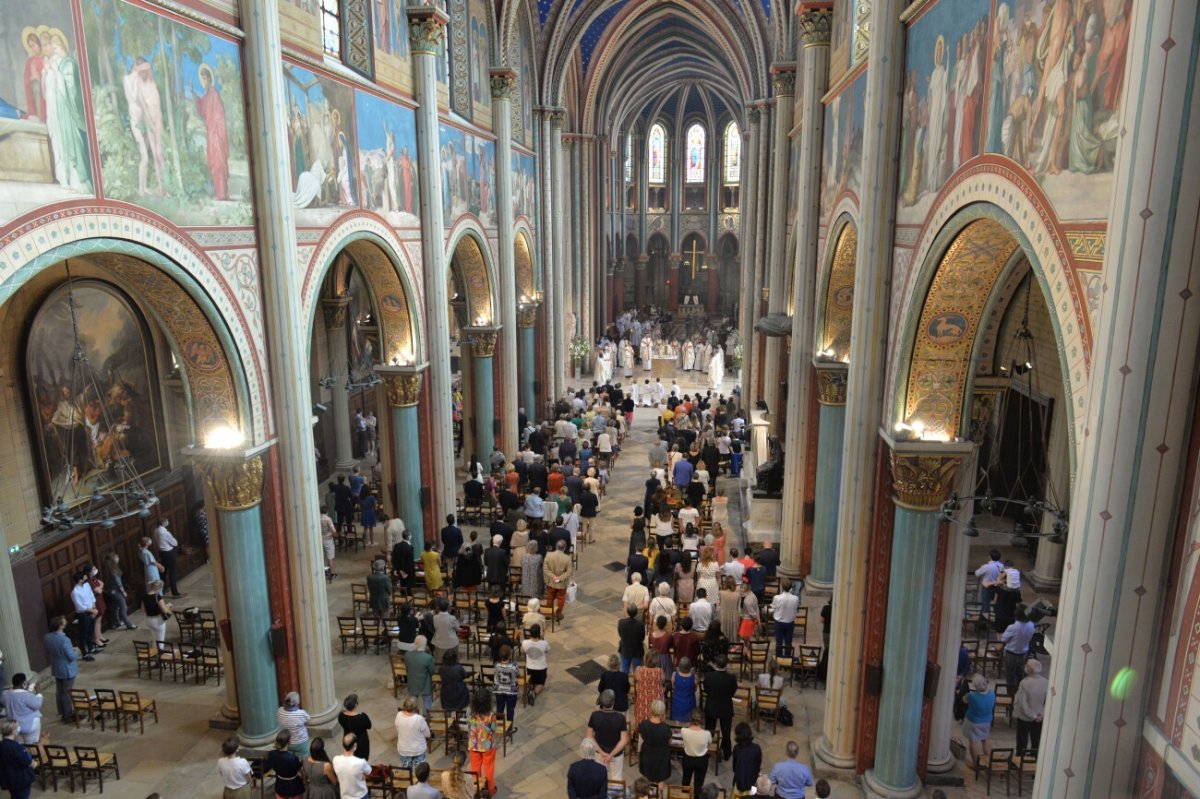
810	475
1150	774
875	618
279	578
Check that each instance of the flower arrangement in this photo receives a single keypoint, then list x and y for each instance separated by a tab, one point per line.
579	348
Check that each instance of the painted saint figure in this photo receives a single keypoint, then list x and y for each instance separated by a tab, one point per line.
35	98
146	122
212	111
935	134
64	114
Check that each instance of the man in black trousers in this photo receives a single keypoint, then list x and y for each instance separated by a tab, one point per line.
719	688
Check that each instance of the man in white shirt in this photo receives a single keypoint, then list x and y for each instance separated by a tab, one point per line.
989	575
351	770
84	599
167	548
564	430
700	611
735	568
636	595
234	770
783	611
676	391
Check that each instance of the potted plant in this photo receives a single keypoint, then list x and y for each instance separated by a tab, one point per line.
578	349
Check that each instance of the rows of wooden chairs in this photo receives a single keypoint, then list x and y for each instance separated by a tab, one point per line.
51	762
618	789
121	707
1007	765
199	662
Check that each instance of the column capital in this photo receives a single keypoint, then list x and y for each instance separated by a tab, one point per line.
831	381
402	384
555	115
642	260
784	76
923	472
816	23
504	80
426	29
752	116
482	340
234	478
527	314
335	312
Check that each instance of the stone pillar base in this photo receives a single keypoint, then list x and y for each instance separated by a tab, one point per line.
941	765
344	466
816	587
830	765
223	722
258	742
874	789
1042	584
325	717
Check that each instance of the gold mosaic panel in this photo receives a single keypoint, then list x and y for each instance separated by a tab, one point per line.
468	260
395	317
839	294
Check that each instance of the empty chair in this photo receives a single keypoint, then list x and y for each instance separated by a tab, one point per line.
58	762
91	762
147	659
134	707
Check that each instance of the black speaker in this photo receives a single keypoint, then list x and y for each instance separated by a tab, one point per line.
278	640
426	496
933	673
873	679
810	512
495	427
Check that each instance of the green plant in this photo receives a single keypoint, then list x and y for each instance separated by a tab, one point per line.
579	348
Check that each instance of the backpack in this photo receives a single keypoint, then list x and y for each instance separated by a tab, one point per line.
785	716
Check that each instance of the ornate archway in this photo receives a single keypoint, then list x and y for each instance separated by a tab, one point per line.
835	312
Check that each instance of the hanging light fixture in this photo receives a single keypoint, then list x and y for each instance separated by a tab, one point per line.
128	495
1030	442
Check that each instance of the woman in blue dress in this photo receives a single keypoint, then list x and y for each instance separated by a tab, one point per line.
683	691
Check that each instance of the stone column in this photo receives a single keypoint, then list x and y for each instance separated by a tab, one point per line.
339	368
1139	406
1047	572
778	261
526	340
831	424
557	341
865	389
402	387
587	252
12	630
570	241
760	293
712	273
639	160
673	262
639	280
922	477
749	243
426	31
503	82
558	265
233	484
483	349
288	356
815	22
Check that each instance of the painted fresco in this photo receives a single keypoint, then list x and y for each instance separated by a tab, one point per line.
843	144
839	40
525	98
524	200
943	105
1056	79
44	151
170	118
390	27
468	165
321	146
387	159
86	426
480	49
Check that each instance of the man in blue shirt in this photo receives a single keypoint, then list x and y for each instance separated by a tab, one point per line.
790	777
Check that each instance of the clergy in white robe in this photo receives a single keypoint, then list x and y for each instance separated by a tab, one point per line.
647	353
704	355
716	368
689	356
676	391
660	392
627	357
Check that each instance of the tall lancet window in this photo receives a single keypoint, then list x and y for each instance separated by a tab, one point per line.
731	167
696	140
656	168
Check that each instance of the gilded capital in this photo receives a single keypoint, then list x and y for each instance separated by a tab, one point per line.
922	480
527	316
785	80
403	390
335	312
816	26
831	384
234	484
504	81
426	29
483	343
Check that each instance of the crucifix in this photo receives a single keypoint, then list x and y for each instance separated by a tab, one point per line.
695	256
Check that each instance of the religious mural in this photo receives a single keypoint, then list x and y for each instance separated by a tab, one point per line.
43	133
169	115
839	39
843	144
480	48
387	159
321	144
944	90
523	100
524	200
468	165
86	426
391	27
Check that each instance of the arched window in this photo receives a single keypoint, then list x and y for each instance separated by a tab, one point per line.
628	157
696	140
733	154
656	154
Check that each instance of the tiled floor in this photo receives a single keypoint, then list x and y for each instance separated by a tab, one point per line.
177	756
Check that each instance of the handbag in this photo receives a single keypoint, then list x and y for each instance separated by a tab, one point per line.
785	716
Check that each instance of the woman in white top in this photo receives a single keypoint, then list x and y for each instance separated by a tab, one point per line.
696	741
535	648
235	771
412	734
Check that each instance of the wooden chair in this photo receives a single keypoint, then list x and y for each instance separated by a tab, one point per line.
91	762
766	702
83	703
399	674
1022	767
801	630
679	792
208	626
349	631
993	655
189	628
171	657
997	764
1004	702
133	706
35	754
58	762
756	660
359	601
147	659
441	725
616	789
806	664
107	705
373	634
743	702
209	664
785	659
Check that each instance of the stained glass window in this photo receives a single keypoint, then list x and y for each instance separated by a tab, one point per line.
733	154
657	152
696	138
628	157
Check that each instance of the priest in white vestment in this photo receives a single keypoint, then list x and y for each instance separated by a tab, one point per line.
647	353
716	368
689	356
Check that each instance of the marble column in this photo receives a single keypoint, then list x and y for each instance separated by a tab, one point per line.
402	388
749	242
760	292
712	274
1047	572
831	424
287	357
483	350
1141	396
503	82
640	164
814	21
527	371
12	629
570	240
558	265
426	31
558	339
778	261
339	367
673	261
233	484
639	281
923	474
865	382
587	253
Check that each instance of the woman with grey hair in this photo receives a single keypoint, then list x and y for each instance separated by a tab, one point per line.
295	721
977	725
654	759
531	571
586	778
412	734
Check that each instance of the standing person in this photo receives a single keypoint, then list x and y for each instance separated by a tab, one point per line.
557	570
784	607
379	589
535	648
481	739
431	562
168	549
719	688
294	720
607	726
412	734
685	580
286	765
683	691
696	741
445	631
25	706
790	777
505	684
989	577
531	571
616	681
747	759
748	613
654	758
63	665
1017	637
84	600
319	775
16	764
455	694
368	515
586	778
117	593
351	719
351	770
328	541
452	542
151	568
632	633
1029	707
977	725
235	771
157	610
496	561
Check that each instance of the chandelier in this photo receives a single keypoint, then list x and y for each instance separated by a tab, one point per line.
128	495
353	382
1026	475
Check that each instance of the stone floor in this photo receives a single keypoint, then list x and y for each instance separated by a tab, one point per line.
176	756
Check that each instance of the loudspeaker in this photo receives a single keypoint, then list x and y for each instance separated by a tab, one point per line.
495	427
810	512
278	640
426	496
873	679
933	673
